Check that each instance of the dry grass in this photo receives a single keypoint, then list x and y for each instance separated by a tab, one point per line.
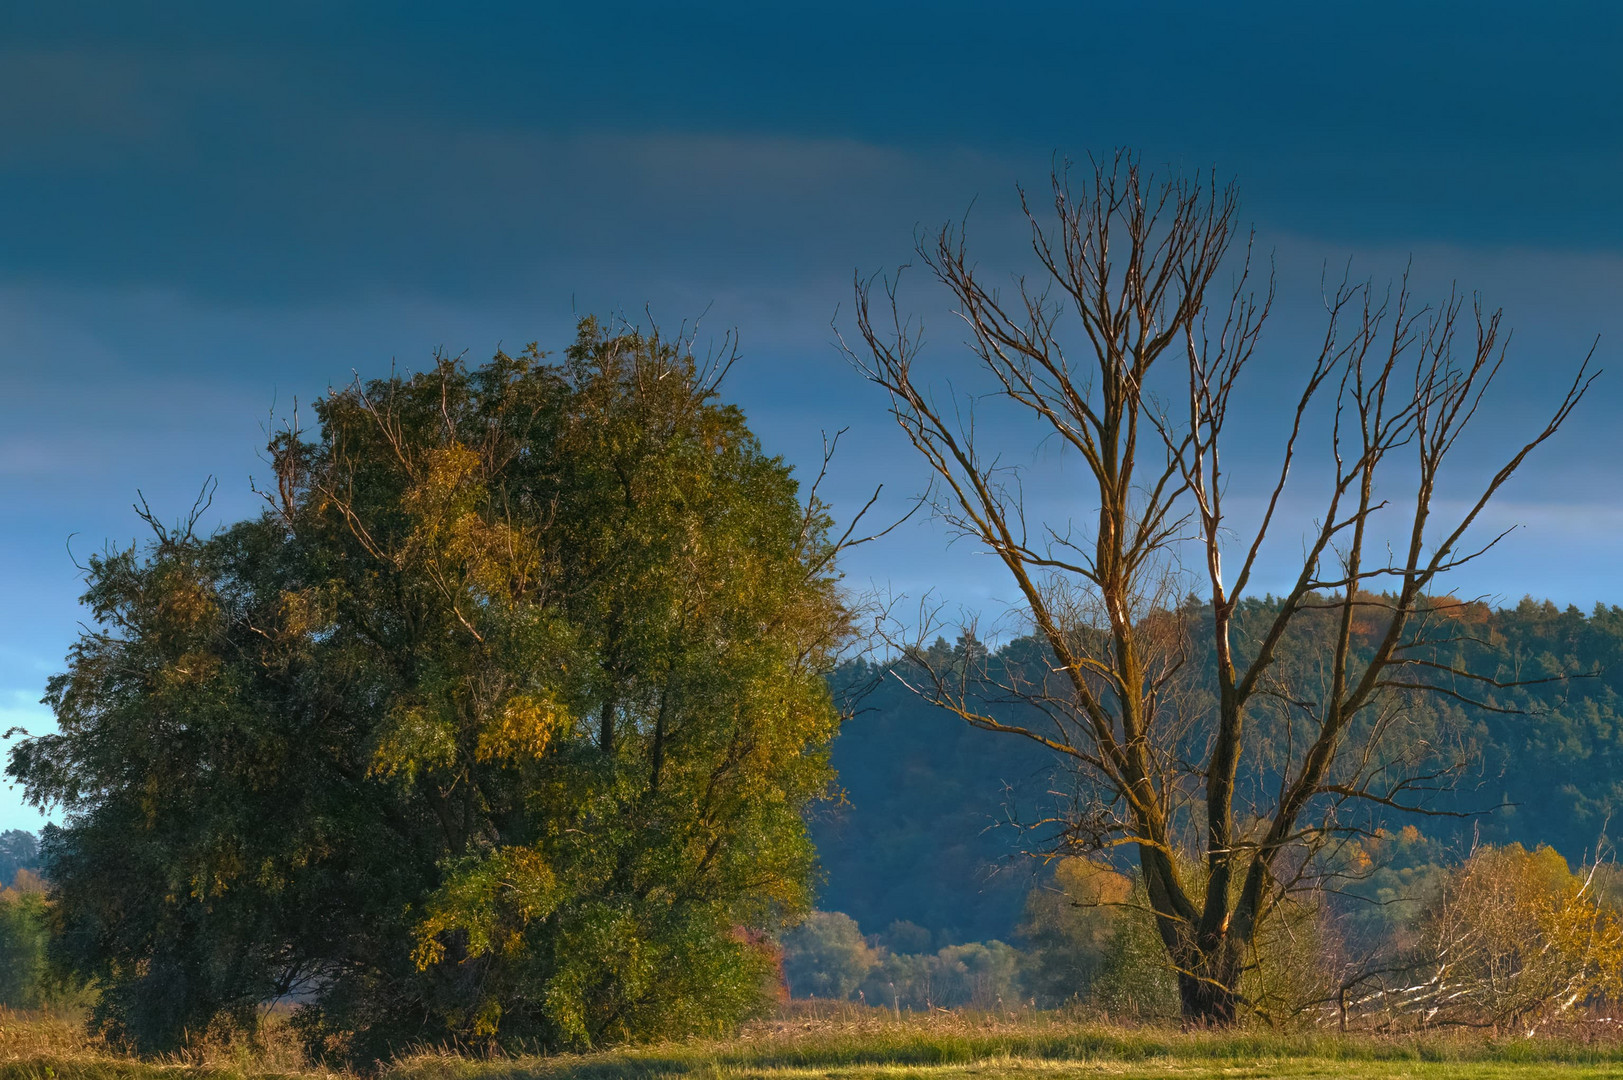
848	1043
55	1046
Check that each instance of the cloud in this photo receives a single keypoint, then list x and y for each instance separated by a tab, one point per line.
22	708
262	175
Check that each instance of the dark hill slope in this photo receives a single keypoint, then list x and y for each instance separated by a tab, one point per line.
924	836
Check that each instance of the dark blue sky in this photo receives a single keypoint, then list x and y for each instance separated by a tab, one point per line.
207	211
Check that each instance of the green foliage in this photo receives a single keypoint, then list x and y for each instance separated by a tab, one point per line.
1134	980
826	957
498	725
25	979
1071	926
902	936
975	975
1091	941
1386	879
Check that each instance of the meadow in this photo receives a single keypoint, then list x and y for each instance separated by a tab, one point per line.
843	1042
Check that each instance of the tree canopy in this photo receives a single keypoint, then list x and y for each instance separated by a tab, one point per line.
497	724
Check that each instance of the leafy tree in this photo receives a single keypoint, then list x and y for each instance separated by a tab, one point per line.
1070	926
826	956
977	975
1090	941
498	724
19	850
25	981
1390	876
905	937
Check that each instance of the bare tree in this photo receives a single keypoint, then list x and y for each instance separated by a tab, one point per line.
1307	691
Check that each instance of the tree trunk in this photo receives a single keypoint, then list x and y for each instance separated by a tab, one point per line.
1208	964
1208	990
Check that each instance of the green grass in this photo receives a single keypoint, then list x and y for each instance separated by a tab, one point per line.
858	1045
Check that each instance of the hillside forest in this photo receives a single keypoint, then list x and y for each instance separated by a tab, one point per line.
941	864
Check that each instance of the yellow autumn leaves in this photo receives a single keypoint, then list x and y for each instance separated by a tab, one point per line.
522	729
463	550
1516	936
419	738
491	904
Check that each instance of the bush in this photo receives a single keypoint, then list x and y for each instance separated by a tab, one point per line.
826	957
24	933
1512	936
1091	943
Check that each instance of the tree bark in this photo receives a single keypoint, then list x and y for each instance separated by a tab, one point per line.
1205	955
1208	991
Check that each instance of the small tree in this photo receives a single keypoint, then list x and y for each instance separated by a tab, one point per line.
1228	734
24	931
1512	937
1069	926
826	956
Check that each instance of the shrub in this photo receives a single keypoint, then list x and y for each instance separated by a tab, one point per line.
826	956
1513	936
24	932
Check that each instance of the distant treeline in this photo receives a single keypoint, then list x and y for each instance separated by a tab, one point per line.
24	925
1411	934
19	850
938	819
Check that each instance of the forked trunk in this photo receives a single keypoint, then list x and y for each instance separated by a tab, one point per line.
1208	965
1208	991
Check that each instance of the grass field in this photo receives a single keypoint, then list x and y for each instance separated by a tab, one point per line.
852	1045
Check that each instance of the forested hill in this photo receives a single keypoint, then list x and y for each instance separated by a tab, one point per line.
924	835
